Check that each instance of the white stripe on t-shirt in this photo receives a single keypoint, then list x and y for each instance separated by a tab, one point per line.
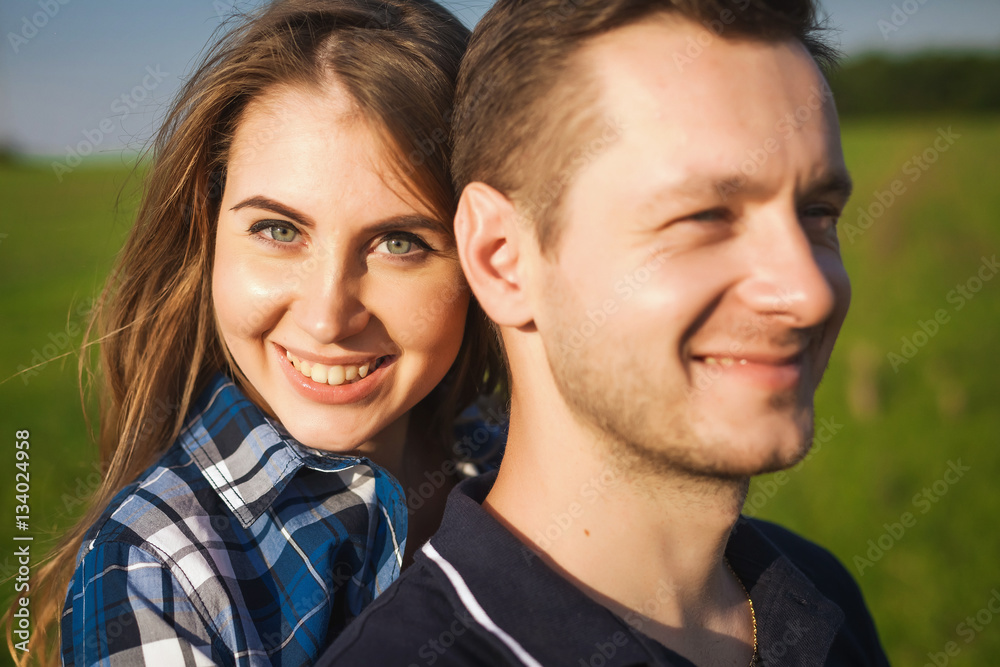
478	613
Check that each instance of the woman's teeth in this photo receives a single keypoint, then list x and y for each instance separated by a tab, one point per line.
332	375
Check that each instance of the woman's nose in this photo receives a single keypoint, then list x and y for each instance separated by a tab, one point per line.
327	305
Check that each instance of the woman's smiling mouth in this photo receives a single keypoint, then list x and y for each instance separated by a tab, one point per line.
335	384
335	375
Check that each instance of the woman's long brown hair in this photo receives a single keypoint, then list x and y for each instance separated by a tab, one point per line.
154	323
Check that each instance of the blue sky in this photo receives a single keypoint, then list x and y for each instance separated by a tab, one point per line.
103	72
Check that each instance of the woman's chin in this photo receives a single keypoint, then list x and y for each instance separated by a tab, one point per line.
347	434
332	438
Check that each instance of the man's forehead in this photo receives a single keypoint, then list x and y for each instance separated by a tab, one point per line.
672	54
738	95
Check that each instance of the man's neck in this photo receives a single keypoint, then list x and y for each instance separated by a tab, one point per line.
648	546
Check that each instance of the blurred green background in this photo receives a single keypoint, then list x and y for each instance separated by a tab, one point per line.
923	224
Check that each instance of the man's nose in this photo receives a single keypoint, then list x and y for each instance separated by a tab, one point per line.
786	280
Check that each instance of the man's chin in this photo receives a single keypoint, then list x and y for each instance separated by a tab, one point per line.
758	441
782	457
750	452
753	466
778	461
725	460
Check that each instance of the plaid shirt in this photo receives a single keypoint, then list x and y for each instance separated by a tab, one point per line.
240	546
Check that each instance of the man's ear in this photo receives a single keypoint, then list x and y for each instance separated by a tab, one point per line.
490	246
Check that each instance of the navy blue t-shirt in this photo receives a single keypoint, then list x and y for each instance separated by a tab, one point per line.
476	595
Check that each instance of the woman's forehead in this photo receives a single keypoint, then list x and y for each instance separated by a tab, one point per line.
281	107
313	150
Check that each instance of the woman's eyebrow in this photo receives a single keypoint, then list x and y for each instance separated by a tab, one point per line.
268	204
397	222
408	222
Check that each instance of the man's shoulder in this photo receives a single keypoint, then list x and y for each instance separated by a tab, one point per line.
857	640
417	620
819	565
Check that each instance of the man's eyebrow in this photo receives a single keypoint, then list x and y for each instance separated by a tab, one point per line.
700	188
268	204
396	222
837	183
724	187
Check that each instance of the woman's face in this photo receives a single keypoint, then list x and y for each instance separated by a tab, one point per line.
339	295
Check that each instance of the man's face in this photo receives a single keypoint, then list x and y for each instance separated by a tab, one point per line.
692	302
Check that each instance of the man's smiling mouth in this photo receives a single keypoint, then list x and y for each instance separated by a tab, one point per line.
756	359
774	372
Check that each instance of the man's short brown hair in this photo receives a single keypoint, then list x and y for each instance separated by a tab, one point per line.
524	127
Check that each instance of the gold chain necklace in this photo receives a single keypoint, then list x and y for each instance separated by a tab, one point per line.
753	616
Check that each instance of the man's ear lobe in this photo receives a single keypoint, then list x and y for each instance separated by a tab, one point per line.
490	246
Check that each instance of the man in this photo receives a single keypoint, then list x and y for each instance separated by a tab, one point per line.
649	207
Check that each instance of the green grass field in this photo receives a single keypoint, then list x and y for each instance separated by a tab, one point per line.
894	426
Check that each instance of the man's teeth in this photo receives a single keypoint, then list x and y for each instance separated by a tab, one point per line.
331	375
725	361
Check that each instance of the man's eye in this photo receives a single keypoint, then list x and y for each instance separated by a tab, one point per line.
822	216
401	243
281	232
711	215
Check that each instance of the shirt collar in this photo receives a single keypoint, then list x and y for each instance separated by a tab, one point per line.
519	592
794	620
796	623
247	457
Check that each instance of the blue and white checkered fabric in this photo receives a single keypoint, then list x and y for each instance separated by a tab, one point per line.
239	546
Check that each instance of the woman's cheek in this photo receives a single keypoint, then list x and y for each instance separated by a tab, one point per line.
434	313
249	295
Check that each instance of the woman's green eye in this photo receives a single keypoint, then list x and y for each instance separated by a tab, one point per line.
398	246
274	230
402	244
283	234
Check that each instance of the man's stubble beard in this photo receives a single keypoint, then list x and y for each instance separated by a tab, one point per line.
643	425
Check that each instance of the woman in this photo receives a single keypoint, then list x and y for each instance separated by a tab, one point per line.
290	297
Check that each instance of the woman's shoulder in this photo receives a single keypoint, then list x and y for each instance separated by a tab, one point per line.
158	539
480	436
181	494
139	513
